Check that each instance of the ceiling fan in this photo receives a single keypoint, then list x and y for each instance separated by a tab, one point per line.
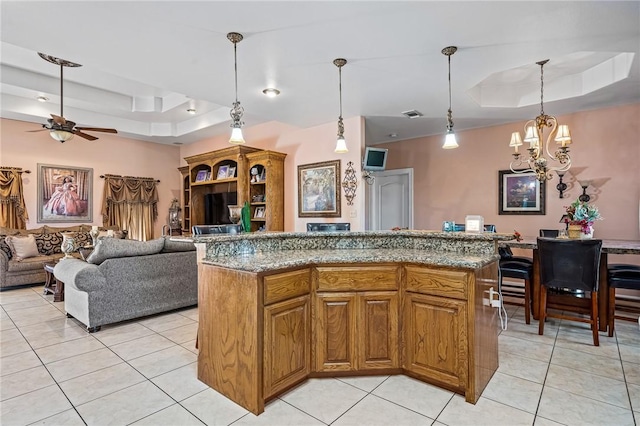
59	127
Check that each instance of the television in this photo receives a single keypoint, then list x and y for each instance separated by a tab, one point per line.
375	159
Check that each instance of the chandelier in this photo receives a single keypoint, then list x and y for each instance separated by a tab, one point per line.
341	144
533	135
237	111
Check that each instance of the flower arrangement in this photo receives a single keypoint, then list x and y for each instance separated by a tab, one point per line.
583	214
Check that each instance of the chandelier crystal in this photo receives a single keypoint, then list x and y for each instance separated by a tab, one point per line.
533	135
341	143
237	111
450	141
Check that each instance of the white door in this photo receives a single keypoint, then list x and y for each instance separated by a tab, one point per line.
390	200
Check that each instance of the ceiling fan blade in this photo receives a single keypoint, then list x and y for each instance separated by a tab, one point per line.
97	129
58	119
84	135
39	130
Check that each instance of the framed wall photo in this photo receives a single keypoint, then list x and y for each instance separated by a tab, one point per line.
520	193
319	189
65	194
222	172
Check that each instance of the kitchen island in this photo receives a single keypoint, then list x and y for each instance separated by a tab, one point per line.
278	308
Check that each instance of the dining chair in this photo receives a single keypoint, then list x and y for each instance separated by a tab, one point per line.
549	233
619	277
569	265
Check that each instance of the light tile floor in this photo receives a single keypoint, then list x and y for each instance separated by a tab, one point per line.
144	372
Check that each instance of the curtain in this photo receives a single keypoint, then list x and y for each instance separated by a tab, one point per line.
13	212
131	203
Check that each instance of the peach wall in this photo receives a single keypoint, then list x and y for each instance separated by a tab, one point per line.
302	146
109	154
450	184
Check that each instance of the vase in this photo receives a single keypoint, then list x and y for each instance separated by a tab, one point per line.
94	235
575	231
585	235
68	245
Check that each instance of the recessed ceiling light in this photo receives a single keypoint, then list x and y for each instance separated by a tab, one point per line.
42	99
393	135
191	111
412	113
271	92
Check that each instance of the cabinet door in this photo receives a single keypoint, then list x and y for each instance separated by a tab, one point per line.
287	339
436	339
335	332
378	330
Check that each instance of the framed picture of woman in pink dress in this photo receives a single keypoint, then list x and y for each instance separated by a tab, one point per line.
65	194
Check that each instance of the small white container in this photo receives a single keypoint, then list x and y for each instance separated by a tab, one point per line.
474	224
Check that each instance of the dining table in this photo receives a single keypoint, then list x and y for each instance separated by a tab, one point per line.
631	247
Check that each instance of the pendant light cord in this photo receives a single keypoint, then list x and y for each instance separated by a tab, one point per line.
235	67
449	60
61	88
542	89
340	88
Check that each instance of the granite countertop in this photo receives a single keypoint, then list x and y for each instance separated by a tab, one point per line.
271	261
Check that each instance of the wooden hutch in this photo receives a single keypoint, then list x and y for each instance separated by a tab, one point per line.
254	175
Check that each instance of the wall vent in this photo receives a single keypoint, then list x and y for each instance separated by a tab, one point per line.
412	113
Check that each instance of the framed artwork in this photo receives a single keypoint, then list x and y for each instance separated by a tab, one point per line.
259	213
65	194
319	189
201	176
223	171
232	172
208	176
520	193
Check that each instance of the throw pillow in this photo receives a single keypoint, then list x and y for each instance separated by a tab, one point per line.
5	247
22	247
49	244
109	248
176	245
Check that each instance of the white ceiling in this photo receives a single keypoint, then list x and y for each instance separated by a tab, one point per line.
146	62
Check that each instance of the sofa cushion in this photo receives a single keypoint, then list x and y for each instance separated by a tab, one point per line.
32	263
22	247
109	248
14	231
171	246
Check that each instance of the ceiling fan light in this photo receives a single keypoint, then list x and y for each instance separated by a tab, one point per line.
341	146
236	136
450	141
61	135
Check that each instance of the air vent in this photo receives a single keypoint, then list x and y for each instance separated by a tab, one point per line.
412	113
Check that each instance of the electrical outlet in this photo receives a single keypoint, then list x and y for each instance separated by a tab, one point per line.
353	213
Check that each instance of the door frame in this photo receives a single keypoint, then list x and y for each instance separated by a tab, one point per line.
370	214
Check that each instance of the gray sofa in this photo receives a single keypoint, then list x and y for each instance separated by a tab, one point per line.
125	279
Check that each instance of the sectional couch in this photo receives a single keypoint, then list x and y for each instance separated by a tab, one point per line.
126	279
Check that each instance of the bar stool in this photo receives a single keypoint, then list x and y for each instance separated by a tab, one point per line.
620	278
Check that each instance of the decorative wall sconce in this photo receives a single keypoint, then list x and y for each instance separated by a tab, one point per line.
584	197
368	177
350	183
561	186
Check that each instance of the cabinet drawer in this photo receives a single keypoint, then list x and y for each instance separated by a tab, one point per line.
357	278
286	285
438	282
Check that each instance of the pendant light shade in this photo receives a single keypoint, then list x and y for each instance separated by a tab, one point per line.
237	111
341	143
450	141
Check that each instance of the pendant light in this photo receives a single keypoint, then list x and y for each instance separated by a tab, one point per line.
450	138
341	144
237	111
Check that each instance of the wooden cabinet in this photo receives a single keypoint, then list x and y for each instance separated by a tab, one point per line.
287	330
216	179
266	190
356	330
436	339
